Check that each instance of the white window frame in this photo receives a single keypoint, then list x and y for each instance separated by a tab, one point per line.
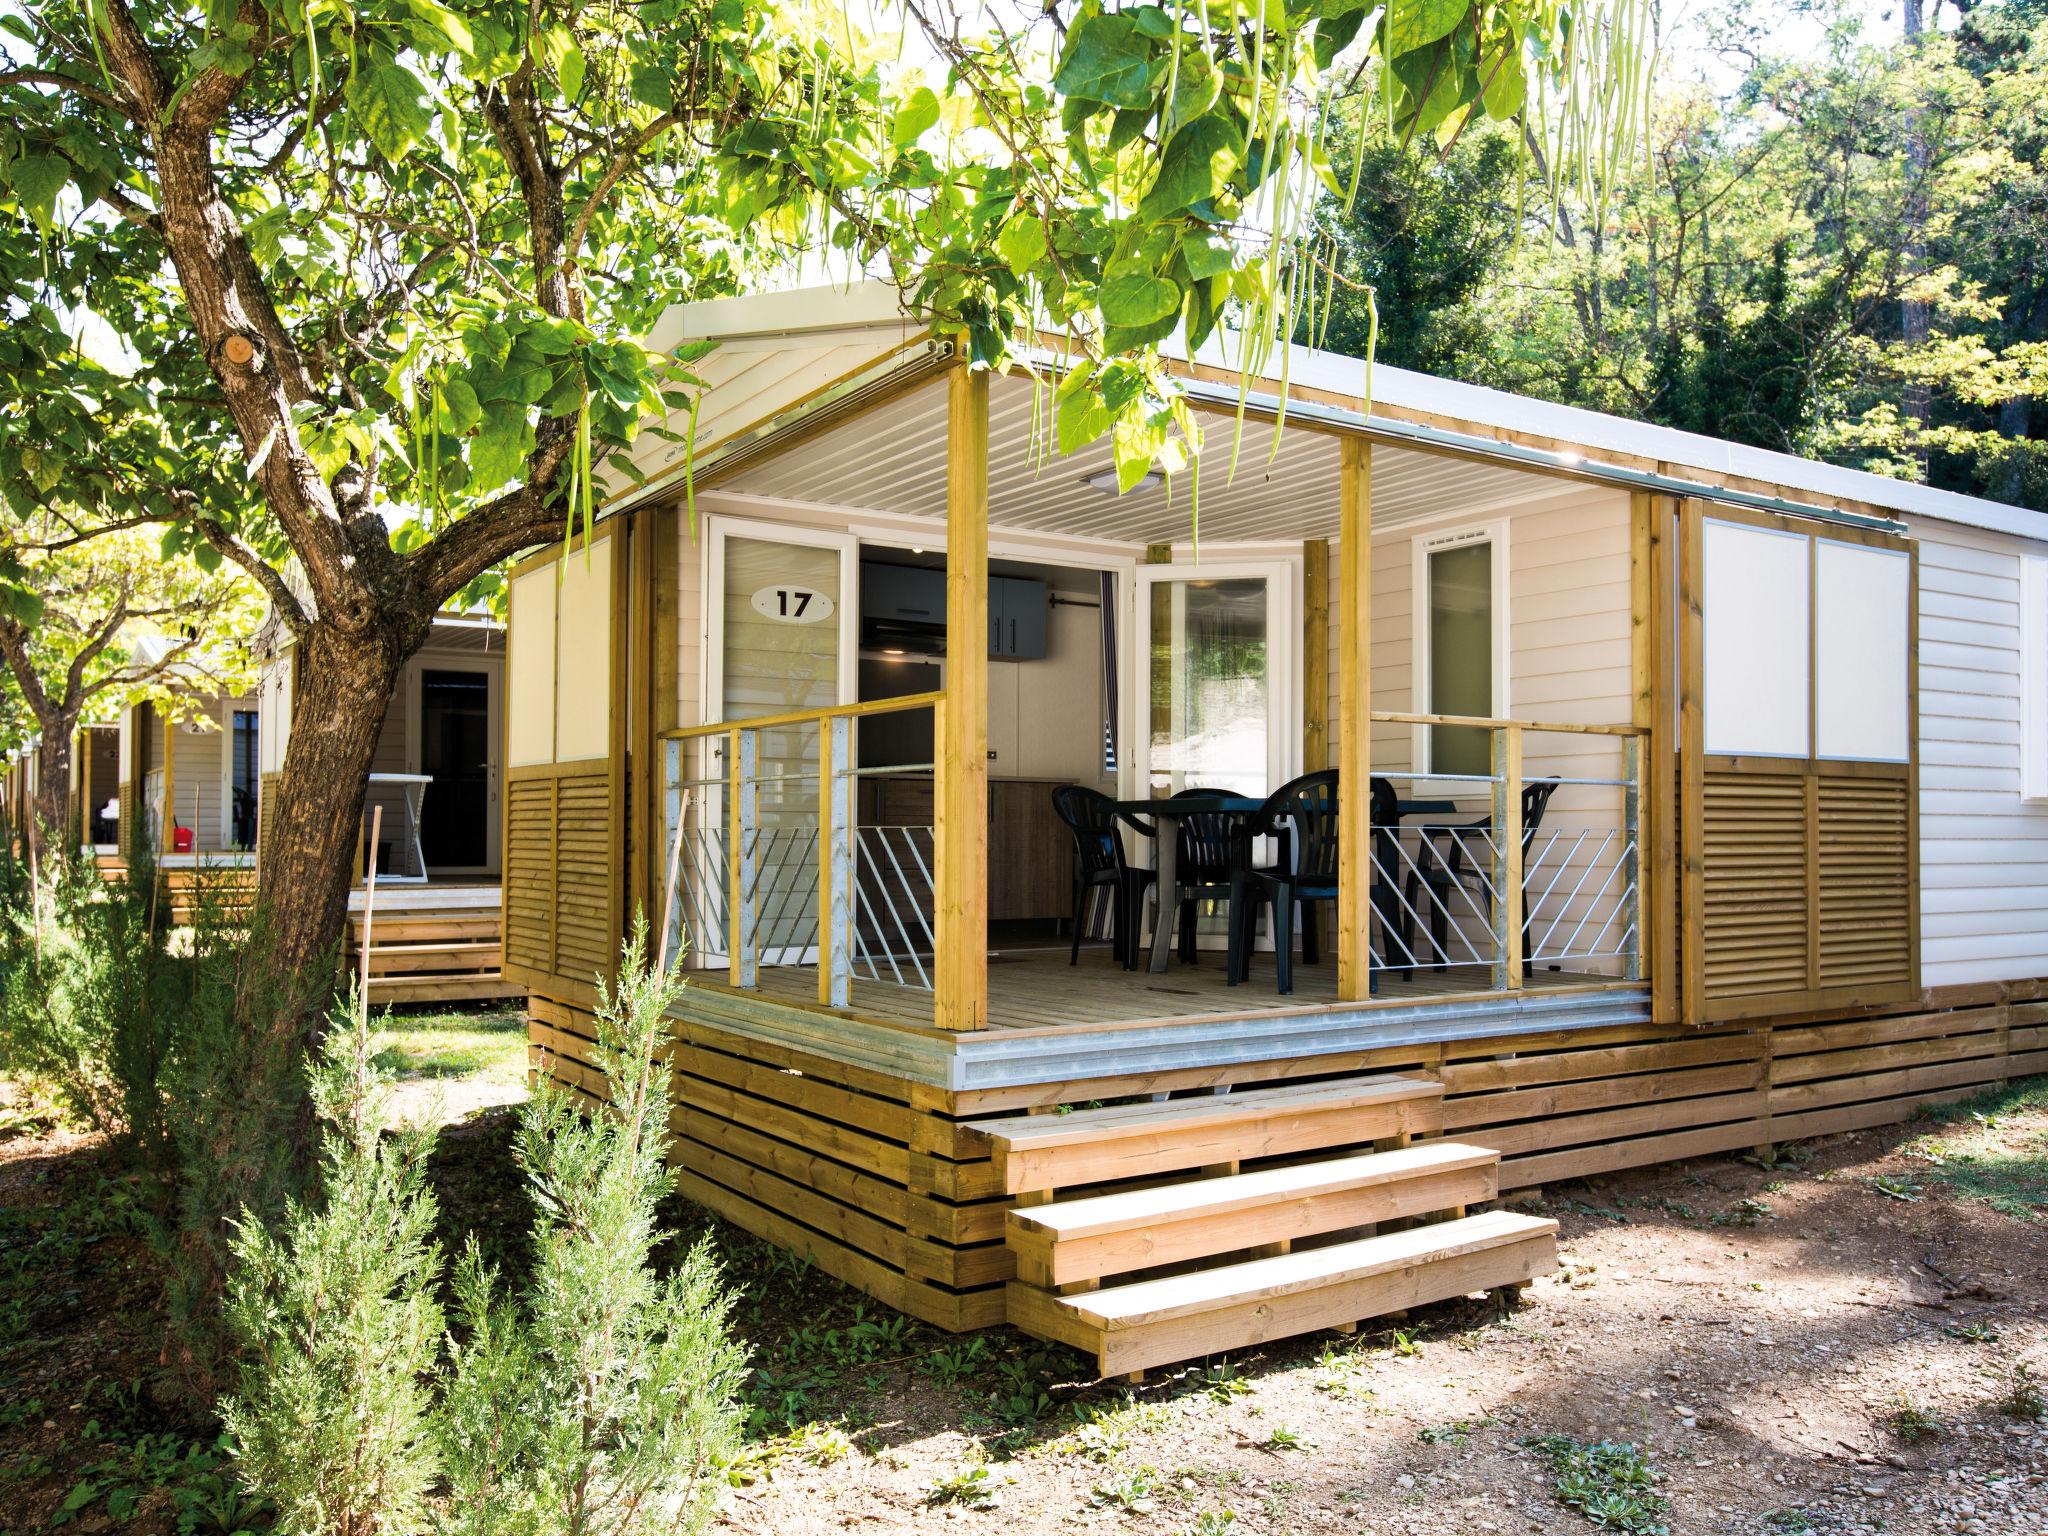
1283	577
1495	532
2034	678
720	527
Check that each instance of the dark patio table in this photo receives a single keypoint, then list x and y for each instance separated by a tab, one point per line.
1166	849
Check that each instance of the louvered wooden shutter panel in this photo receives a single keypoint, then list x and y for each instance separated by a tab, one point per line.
1753	853
1866	930
529	879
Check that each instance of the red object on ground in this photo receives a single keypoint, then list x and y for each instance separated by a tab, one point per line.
181	839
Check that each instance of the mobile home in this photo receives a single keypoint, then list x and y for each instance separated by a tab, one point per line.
1131	924
433	804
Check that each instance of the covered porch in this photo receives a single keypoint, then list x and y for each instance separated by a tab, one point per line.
1462	645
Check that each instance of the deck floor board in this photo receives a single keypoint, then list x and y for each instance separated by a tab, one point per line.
1035	988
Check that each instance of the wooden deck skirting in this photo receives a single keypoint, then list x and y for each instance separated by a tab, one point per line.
879	1181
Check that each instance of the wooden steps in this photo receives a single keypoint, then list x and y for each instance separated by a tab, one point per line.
1182	1317
1096	1146
1137	1229
1217	1258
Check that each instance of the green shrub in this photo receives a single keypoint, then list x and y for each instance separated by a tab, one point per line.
338	1316
606	1399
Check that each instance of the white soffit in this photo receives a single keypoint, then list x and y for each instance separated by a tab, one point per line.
777	349
892	458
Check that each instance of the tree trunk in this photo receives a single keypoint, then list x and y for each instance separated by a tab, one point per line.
53	786
312	830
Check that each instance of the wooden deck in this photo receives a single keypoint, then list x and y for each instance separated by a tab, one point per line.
1033	988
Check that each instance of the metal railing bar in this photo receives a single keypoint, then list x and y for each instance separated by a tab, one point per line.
860	895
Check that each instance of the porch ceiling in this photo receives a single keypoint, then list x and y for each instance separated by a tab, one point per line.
892	458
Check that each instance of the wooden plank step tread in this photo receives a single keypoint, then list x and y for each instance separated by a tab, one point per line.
1068	1220
1107	1124
1187	1317
1100	1146
1183	1296
1087	1239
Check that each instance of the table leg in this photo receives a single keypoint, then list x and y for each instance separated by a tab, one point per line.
1167	843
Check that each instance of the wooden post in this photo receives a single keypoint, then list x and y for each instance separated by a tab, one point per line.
740	792
1315	656
1692	768
1354	720
835	862
961	732
1507	858
167	833
1315	686
83	752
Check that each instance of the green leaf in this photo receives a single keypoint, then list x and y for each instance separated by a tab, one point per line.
914	117
1413	24
1021	242
451	27
1107	60
1207	253
1198	163
391	104
1082	419
570	72
1133	442
1132	296
498	451
1507	89
37	179
459	408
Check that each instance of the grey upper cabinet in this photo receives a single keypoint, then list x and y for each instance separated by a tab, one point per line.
1017	608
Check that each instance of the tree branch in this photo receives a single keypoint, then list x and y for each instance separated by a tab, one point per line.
84	90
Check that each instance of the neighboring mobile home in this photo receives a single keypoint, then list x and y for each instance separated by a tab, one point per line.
1687	798
435	777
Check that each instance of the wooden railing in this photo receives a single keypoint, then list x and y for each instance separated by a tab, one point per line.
1512	854
734	840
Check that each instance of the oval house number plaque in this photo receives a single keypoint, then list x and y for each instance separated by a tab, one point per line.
793	605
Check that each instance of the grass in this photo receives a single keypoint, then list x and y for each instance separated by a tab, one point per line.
1992	1150
1611	1483
456	1042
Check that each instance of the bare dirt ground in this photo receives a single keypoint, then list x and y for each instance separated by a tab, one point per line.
1848	1342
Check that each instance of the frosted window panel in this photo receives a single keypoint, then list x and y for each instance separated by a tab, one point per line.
530	669
583	652
1860	661
1208	686
1461	656
1754	597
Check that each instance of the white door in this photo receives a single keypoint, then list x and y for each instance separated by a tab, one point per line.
783	625
1216	691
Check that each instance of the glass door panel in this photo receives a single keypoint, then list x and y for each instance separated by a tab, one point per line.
784	644
1210	689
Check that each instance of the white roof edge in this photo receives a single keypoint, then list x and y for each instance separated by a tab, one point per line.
793	315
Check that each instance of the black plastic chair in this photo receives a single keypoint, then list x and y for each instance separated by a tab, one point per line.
1099	862
1302	816
1206	855
1450	871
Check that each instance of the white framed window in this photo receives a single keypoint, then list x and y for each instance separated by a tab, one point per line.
2034	678
1460	600
1214	664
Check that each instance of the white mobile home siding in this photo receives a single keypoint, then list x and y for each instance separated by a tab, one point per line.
1983	849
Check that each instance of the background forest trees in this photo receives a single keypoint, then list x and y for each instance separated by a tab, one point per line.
1757	272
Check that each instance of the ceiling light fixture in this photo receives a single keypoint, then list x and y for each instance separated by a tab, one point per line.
1104	480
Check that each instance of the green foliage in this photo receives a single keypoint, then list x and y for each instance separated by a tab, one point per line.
1912	1423
1611	1483
88	992
1830	252
604	1398
1990	1151
338	1316
599	1400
